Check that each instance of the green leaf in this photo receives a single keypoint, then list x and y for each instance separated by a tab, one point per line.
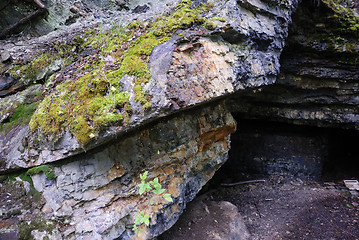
143	187
156	185
148	187
154	182
144	175
138	218
158	152
167	197
151	201
146	220
158	191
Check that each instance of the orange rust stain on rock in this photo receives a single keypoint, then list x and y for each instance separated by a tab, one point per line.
206	139
173	187
169	171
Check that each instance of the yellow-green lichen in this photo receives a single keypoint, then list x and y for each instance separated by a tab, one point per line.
221	19
87	104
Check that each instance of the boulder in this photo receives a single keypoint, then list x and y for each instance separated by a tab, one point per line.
205	219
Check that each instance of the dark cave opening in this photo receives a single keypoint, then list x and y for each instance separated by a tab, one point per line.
263	148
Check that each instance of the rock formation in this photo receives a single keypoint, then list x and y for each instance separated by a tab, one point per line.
318	84
93	95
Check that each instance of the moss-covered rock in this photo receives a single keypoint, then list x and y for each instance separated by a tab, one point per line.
40	224
86	105
21	116
17	109
46	169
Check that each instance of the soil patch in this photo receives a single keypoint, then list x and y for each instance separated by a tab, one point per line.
288	208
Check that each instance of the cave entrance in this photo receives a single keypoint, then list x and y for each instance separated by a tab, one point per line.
263	148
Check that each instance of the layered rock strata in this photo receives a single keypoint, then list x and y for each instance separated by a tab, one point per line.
318	84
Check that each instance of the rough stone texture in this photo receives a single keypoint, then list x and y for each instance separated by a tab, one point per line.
96	197
318	84
204	65
95	194
60	14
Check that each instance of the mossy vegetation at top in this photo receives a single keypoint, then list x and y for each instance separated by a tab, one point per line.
331	25
87	104
342	27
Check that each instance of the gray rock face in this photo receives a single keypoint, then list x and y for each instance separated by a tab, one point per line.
97	192
58	16
195	66
318	84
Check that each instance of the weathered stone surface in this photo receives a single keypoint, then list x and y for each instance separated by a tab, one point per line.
97	193
195	66
318	84
9	104
6	82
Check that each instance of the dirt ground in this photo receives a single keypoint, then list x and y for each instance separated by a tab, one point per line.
285	208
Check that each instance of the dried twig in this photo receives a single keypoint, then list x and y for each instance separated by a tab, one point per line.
239	183
39	3
26	19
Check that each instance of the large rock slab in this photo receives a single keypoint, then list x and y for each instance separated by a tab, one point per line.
164	101
95	195
194	66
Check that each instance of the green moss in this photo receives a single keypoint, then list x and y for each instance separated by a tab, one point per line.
21	116
88	104
221	19
25	177
46	169
32	69
348	22
210	25
38	223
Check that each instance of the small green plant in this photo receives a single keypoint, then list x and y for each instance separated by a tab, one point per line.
118	27
154	187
